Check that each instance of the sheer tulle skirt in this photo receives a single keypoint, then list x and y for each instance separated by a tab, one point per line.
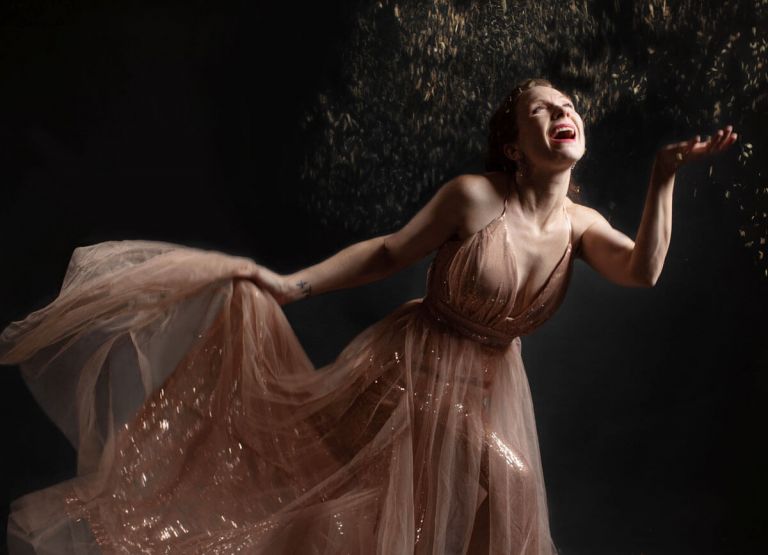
202	427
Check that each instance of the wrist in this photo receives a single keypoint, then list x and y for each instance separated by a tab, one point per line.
663	171
295	288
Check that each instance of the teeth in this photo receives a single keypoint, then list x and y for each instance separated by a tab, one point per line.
561	128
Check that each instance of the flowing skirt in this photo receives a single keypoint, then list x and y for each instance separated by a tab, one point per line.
202	427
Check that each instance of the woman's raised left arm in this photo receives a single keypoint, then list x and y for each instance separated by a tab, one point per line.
639	263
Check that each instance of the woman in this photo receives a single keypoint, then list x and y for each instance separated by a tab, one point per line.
202	427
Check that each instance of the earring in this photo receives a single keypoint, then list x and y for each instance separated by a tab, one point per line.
522	166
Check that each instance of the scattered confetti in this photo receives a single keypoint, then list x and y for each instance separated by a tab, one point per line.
421	79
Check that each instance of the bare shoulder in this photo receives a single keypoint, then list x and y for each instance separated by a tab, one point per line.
471	187
582	216
596	240
477	200
472	195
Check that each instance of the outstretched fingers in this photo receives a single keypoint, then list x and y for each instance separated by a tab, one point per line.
723	139
729	138
675	155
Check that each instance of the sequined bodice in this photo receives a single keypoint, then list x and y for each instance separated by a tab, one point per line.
472	284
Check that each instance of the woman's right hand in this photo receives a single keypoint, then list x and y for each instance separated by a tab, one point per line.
273	283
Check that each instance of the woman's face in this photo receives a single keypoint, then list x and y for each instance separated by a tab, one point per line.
551	133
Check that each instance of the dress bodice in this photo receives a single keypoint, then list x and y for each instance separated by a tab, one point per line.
202	425
473	284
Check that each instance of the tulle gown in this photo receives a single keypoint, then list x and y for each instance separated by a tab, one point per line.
202	427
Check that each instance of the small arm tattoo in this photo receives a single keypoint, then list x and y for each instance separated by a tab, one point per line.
306	288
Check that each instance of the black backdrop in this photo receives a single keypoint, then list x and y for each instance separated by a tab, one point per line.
176	122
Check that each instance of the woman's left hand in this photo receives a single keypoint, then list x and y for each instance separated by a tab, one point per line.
672	156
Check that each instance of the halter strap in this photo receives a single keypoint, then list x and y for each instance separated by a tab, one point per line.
570	226
508	188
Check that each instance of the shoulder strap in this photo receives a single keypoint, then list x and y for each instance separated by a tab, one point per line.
508	189
570	226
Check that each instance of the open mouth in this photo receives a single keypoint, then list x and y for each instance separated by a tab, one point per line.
563	133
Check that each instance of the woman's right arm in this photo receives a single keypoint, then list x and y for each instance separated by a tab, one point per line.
381	256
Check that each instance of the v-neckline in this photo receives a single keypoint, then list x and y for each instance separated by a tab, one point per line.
548	281
465	242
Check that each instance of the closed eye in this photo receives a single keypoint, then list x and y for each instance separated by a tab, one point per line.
537	108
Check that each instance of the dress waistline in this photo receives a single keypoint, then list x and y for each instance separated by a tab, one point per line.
443	313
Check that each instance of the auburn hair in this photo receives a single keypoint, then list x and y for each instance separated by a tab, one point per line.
503	129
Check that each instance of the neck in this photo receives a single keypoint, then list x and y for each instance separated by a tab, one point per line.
541	194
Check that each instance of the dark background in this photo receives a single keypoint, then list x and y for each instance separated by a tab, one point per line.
179	122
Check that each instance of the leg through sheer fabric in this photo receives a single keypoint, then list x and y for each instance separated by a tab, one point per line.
519	492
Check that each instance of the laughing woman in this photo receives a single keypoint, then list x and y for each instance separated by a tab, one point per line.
202	427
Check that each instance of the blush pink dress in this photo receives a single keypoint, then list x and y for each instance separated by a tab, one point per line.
202	427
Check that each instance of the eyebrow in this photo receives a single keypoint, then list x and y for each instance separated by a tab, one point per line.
564	96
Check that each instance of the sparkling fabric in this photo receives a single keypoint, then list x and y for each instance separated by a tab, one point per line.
203	428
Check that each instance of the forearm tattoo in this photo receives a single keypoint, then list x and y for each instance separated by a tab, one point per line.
305	287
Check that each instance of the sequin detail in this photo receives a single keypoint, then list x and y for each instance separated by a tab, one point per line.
470	289
204	428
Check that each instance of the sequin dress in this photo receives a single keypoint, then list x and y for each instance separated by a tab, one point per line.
203	428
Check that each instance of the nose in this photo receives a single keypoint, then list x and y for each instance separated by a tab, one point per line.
560	111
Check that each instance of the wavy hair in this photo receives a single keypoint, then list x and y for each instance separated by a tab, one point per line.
503	129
